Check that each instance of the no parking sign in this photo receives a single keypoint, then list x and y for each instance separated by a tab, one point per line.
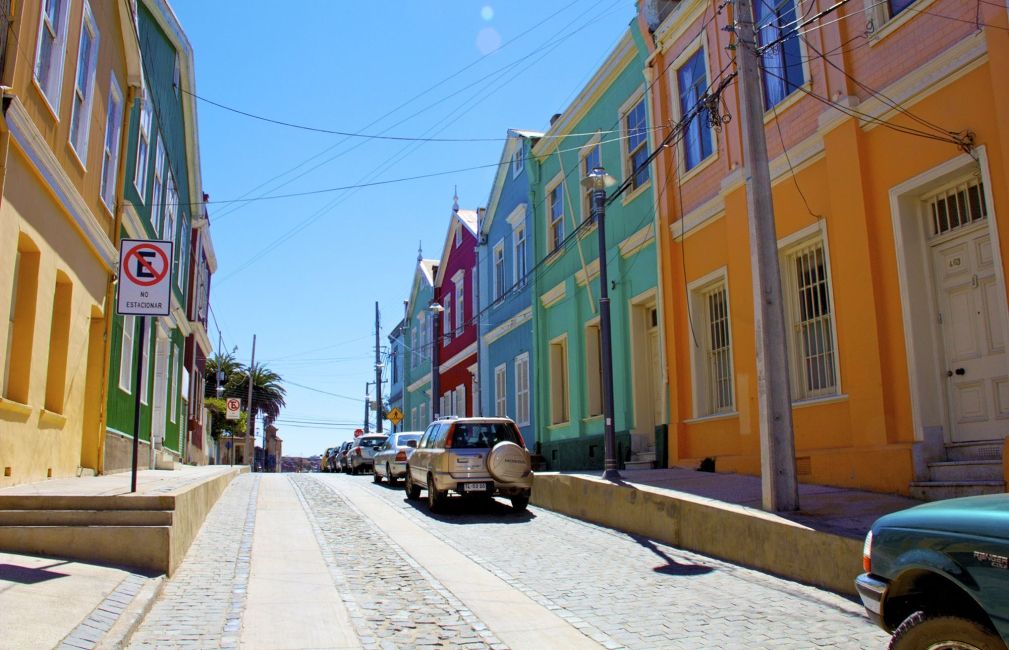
145	278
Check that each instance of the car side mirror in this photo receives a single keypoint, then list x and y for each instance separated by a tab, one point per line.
411	443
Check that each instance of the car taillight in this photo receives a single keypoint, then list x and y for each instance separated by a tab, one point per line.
401	457
357	450
448	438
867	553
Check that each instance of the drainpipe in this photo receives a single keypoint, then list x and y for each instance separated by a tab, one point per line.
110	289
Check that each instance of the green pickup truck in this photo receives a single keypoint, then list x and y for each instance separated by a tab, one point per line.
937	575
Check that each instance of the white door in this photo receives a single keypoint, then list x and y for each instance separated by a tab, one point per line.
971	321
160	397
654	357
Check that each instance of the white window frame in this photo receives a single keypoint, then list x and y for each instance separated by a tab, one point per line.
183	248
499	269
126	355
475	299
145	365
158	188
50	81
789	250
460	303
175	384
171	210
522	389
84	97
553	243
143	145
627	168
446	321
460	401
518	161
702	362
520	264
458	235
422	413
501	391
110	149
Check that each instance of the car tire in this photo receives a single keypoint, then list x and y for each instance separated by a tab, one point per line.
412	490
920	630
435	498
375	476
388	475
520	503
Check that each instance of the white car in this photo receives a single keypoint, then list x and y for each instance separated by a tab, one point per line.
361	455
391	458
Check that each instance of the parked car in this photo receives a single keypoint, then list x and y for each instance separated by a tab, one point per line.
361	455
331	459
340	457
937	575
478	457
391	457
324	465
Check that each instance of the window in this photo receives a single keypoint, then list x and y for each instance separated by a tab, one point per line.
559	381
458	235
897	6
177	76
423	415
636	144
126	355
175	383
501	391
520	265
555	208
158	191
84	85
518	161
782	64
591	158
714	362
594	369
475	304
51	49
413	419
499	270
183	247
956	207
143	148
423	338
460	402
21	325
59	342
414	345
693	82
810	315
460	305
522	389
110	152
171	209
145	363
446	319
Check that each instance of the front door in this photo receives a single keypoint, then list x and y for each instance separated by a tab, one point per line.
971	315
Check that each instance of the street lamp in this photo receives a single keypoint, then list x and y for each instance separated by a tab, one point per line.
436	309
597	181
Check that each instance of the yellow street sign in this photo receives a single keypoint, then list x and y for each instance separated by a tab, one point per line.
394	415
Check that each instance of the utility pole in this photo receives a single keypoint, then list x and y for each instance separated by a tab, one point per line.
378	376
367	404
779	487
436	310
251	425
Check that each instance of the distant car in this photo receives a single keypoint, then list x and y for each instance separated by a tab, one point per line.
361	455
331	459
937	575
391	457
476	457
340	457
324	465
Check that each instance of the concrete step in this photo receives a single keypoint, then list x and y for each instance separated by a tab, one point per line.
85	518
639	464
131	546
978	450
62	502
938	490
966	470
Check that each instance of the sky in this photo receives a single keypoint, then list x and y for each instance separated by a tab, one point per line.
303	273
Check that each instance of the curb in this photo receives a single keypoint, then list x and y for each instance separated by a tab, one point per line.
111	624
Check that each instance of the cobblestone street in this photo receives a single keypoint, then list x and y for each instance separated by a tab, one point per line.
607	588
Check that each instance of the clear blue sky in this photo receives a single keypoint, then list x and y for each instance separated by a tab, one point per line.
303	273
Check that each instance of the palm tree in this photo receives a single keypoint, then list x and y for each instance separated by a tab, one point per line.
231	372
268	392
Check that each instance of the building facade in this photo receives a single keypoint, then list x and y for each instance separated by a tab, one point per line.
70	70
456	290
505	257
197	448
163	198
608	125
395	368
887	191
418	346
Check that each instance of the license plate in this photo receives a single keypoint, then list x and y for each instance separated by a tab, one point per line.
474	487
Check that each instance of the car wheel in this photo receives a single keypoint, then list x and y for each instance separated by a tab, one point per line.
412	490
520	503
375	475
435	499
922	631
388	474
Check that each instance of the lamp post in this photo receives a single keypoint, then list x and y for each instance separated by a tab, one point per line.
436	309
596	182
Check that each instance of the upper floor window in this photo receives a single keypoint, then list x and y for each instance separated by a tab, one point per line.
693	82
555	210
460	302
446	321
143	148
51	49
499	270
518	162
636	143
591	158
110	151
782	63
520	264
84	85
897	6
158	191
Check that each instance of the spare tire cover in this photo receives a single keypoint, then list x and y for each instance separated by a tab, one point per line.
507	462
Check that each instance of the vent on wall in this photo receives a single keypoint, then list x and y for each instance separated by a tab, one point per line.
803	466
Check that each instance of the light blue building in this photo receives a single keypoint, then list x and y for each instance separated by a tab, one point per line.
395	375
505	258
418	341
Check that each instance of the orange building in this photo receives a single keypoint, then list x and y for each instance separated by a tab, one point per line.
887	126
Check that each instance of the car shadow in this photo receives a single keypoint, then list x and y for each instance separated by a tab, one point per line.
461	510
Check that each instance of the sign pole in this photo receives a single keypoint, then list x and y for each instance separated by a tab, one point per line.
136	402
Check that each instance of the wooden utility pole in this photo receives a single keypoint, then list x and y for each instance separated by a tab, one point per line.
250	426
774	402
378	376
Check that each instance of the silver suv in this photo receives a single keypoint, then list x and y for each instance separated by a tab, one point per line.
361	456
480	457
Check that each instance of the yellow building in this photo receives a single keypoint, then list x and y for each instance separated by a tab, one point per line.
888	133
69	72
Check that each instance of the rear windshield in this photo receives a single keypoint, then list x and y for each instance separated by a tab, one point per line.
371	442
406	437
468	435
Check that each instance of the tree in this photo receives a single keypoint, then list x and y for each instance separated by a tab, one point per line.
220	425
232	372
